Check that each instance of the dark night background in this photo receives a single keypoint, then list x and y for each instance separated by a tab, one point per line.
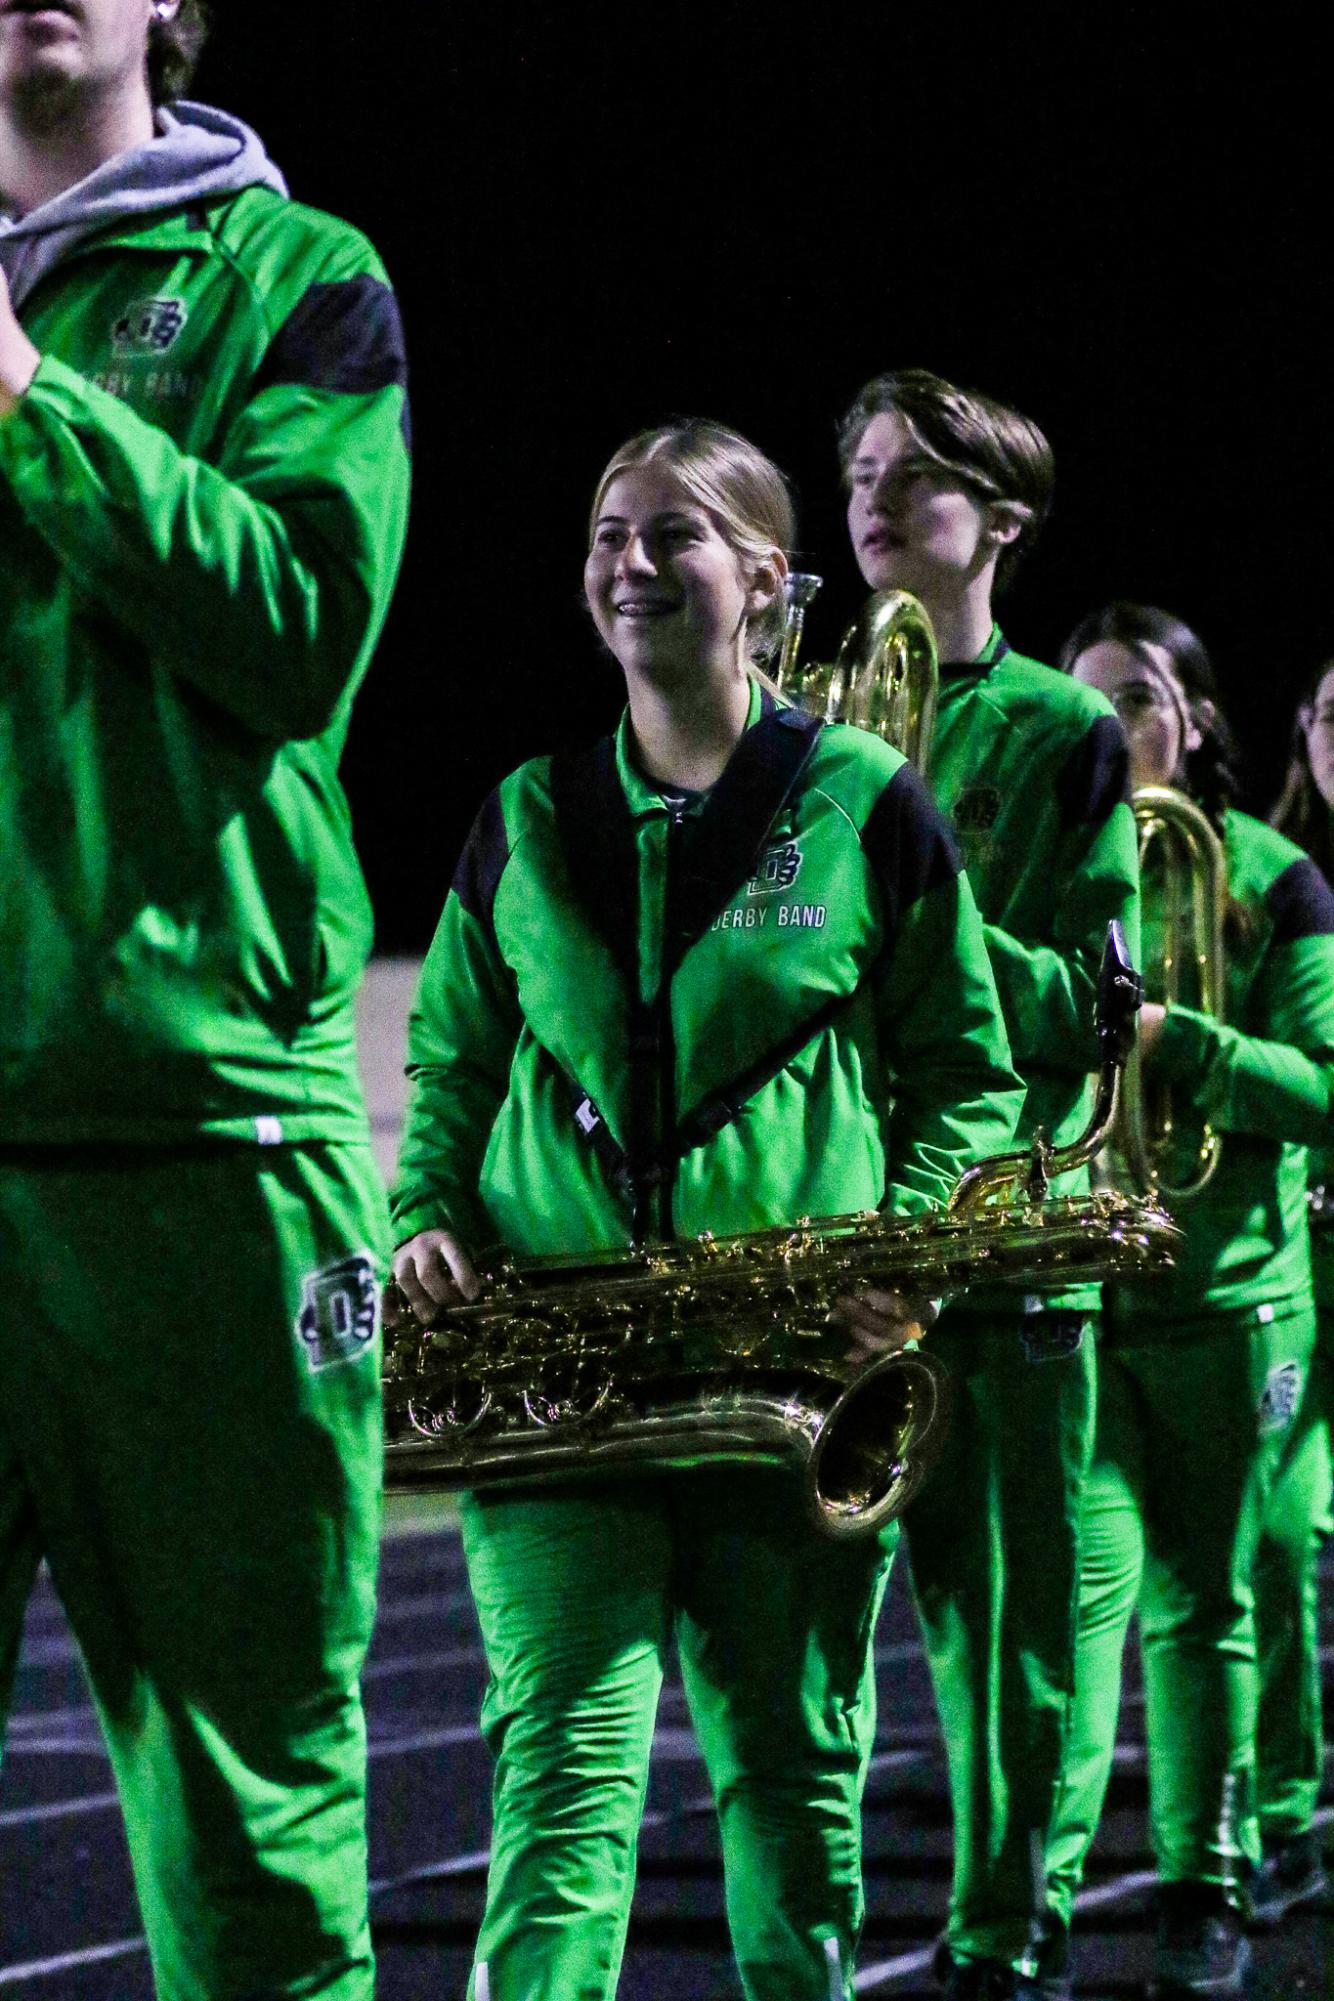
596	218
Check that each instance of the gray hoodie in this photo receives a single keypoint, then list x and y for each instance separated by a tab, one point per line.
198	153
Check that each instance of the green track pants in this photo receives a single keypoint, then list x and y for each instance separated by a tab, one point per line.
1290	1747
1189	1439
189	1435
994	1546
580	1593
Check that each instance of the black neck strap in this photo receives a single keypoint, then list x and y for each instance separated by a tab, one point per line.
721	849
724	844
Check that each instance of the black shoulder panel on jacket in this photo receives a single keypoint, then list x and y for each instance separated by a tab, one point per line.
1096	775
1301	903
482	864
908	844
344	334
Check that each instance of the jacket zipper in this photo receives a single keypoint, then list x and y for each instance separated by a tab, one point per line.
665	1037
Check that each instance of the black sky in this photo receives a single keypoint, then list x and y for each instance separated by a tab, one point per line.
598	217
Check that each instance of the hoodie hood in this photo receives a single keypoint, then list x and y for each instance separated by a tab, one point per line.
197	154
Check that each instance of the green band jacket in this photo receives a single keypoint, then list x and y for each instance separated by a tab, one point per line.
1031	768
1264	1076
202	503
828	1040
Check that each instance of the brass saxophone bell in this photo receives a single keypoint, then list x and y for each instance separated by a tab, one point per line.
878	1442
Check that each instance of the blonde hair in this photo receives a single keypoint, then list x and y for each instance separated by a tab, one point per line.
733	481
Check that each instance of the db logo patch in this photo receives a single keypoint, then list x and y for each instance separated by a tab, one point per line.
338	1312
148	326
1282	1394
977	809
779	870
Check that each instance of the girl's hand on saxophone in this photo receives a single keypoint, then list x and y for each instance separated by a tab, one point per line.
432	1270
881	1321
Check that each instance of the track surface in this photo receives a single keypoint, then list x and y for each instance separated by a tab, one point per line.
68	1925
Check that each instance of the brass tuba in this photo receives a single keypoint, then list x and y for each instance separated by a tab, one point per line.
885	676
721	1348
1180	846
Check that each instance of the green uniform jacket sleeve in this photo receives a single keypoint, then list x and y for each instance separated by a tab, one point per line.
261	580
1048	985
462	1034
1278	1084
955	1094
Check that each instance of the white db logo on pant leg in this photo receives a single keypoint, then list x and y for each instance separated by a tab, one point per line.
338	1311
1281	1395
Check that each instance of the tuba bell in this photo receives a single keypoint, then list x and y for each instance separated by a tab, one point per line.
1177	845
885	676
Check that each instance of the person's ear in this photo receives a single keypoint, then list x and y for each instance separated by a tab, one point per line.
1006	521
1197	721
766	583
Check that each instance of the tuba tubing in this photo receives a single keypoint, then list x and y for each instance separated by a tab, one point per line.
884	678
1194	869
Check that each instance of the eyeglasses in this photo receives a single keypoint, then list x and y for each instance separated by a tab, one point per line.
1142	699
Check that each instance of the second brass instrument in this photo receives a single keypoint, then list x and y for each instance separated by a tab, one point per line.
884	678
1164	1148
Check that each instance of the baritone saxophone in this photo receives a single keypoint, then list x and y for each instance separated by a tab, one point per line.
721	1348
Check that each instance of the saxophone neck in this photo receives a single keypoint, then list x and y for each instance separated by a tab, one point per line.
1119	995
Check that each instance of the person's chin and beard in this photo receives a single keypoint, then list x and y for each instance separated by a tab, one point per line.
43	85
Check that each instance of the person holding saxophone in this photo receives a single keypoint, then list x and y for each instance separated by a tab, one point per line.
717	973
946	488
1203	1372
